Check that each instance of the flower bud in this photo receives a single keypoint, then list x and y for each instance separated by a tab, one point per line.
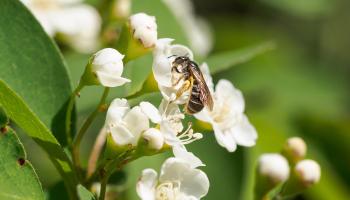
308	172
144	29
274	166
154	138
105	68
121	9
295	149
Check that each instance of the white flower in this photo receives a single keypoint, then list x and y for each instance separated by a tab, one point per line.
169	118
309	171
274	166
144	28
231	126
296	146
108	66
163	57
196	29
177	181
125	124
78	23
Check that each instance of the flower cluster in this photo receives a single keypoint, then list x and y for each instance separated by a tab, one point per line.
289	168
77	23
145	129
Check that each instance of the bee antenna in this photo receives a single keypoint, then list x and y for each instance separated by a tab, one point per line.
171	56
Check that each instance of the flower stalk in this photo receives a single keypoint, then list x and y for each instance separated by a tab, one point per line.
69	113
84	128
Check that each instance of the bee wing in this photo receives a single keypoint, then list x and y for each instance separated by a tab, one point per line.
205	95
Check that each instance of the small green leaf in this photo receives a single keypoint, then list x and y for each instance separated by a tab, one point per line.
32	66
19	112
223	61
18	179
84	194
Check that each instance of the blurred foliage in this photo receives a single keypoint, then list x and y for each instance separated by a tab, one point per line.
299	88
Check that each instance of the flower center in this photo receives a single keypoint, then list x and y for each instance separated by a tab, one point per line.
168	191
188	136
220	112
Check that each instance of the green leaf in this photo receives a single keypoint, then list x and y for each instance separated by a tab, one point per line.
223	61
4	120
84	194
32	66
19	112
18	179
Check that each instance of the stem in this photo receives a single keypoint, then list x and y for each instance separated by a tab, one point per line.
104	182
95	153
84	128
69	113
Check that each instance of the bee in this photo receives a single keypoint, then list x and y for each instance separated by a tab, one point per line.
183	68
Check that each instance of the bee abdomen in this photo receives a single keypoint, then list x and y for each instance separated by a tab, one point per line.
194	105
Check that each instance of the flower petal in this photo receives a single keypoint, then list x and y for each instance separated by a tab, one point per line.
137	122
121	135
116	111
180	152
154	137
146	185
225	139
151	111
181	50
109	80
225	91
244	133
193	182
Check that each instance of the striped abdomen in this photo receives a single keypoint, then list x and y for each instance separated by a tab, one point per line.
194	103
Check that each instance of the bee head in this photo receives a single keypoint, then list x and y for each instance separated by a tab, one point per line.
180	63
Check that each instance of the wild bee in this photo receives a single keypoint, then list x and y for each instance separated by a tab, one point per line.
187	70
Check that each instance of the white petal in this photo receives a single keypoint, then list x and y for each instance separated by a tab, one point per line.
154	137
225	90
169	134
151	112
225	139
244	133
204	115
107	55
80	24
193	182
121	135
117	110
181	50
147	184
109	80
162	70
180	152
136	121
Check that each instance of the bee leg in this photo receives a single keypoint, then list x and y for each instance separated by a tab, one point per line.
187	85
175	82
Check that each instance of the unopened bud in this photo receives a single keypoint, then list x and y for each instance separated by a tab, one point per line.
295	149
274	166
154	137
105	68
308	171
144	29
121	9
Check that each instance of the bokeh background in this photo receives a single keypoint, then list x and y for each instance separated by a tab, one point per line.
300	87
